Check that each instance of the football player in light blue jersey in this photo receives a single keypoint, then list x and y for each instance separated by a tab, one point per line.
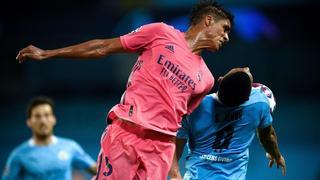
45	156
220	131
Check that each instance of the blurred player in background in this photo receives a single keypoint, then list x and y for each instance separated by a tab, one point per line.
221	129
45	156
167	82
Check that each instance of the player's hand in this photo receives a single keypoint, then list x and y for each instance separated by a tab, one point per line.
280	163
30	52
175	174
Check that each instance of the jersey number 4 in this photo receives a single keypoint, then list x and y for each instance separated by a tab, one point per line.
223	137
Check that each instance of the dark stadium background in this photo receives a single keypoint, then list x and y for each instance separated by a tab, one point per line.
277	39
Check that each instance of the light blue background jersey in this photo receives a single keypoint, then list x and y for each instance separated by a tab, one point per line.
55	161
219	136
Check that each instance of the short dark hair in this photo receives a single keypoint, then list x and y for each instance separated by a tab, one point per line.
235	89
39	101
205	7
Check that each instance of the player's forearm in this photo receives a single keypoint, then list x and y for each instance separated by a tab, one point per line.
89	49
174	172
93	169
270	143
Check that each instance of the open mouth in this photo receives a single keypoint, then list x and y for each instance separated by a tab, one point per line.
221	43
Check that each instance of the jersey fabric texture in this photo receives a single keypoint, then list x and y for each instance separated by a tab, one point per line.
219	136
134	153
54	161
167	82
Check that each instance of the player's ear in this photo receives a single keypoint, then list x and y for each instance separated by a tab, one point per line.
208	20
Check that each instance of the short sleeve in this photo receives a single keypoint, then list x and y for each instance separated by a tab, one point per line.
81	159
13	167
268	93
266	116
142	37
183	132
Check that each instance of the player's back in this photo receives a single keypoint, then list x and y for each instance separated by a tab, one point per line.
226	129
221	135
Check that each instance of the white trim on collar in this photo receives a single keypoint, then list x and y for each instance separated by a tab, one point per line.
54	140
215	96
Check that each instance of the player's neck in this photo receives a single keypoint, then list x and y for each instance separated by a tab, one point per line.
195	40
42	140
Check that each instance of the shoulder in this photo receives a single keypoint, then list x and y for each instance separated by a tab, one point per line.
206	106
63	140
159	28
263	89
208	100
210	97
160	25
69	144
214	98
20	150
262	93
151	26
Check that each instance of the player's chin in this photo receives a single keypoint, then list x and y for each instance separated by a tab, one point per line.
214	49
44	132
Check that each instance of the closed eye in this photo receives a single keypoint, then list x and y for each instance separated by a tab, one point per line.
226	28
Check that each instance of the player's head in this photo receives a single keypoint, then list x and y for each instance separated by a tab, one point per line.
214	21
40	116
235	86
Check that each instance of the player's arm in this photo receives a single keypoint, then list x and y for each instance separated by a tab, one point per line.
88	50
92	169
135	41
268	140
174	172
82	160
12	168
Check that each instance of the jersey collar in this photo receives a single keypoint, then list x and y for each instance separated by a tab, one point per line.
54	140
215	97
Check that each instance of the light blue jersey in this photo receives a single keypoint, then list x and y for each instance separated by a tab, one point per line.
219	136
55	161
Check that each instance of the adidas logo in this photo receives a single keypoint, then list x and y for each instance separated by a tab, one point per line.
170	47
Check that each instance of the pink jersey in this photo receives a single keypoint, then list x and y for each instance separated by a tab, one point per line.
167	81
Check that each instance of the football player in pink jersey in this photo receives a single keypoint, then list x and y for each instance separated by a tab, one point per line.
167	82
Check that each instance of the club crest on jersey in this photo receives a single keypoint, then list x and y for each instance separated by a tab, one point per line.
62	155
170	47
